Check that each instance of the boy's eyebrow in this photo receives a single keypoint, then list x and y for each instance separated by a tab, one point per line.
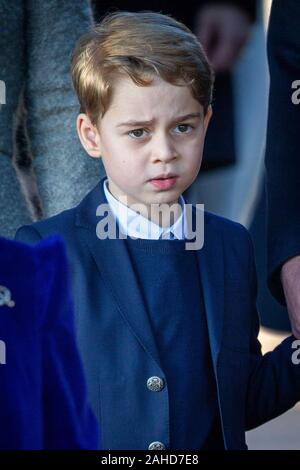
147	123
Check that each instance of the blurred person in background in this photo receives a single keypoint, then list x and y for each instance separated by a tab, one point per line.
282	158
43	399
37	120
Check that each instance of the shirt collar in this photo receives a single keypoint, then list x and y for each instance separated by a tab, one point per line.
137	226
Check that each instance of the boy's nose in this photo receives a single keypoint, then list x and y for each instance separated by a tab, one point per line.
164	149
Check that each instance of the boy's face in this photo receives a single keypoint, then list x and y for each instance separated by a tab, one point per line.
157	156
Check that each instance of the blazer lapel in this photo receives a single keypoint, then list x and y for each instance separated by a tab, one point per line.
211	267
113	262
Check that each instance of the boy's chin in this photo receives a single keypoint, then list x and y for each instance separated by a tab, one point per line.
165	199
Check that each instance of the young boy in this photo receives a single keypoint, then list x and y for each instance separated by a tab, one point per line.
168	335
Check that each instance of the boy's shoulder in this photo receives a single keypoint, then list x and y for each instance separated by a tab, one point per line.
235	238
224	226
59	224
63	223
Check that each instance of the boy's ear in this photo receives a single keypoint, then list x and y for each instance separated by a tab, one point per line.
207	117
88	135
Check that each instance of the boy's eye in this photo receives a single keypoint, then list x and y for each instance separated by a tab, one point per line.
183	128
136	133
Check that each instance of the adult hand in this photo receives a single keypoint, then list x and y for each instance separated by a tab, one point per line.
290	278
223	30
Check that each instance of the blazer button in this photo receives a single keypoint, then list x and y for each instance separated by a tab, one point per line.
155	384
156	446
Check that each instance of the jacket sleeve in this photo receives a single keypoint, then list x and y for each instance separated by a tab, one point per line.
274	378
282	146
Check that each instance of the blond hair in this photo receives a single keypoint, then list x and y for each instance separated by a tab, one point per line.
140	45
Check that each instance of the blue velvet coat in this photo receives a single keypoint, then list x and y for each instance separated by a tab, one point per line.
119	349
43	400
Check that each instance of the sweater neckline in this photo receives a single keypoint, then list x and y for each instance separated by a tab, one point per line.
158	246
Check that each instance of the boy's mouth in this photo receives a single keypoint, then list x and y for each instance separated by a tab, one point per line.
165	181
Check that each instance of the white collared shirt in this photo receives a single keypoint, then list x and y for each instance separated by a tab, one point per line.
135	225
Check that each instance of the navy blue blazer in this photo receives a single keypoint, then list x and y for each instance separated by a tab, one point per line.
120	352
43	396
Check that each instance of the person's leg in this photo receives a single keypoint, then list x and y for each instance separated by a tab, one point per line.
13	210
64	172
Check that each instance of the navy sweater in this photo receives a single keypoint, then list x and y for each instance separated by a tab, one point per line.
170	284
